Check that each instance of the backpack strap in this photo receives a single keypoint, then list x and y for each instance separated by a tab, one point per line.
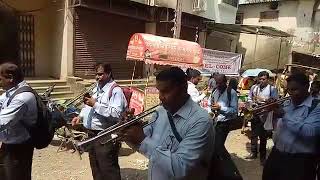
173	128
111	89
18	91
314	104
229	95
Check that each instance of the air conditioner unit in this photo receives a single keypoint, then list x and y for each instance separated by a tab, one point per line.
153	2
199	5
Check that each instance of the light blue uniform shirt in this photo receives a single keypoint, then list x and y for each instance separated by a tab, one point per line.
189	159
23	108
106	110
298	132
229	110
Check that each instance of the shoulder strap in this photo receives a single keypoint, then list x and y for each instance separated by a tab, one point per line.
18	91
314	104
229	95
270	88
173	128
111	89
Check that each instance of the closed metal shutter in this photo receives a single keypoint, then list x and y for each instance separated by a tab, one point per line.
103	37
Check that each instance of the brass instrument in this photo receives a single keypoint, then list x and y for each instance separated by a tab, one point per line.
250	112
48	92
111	134
75	100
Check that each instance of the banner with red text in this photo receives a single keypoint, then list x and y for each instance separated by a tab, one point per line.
227	63
137	100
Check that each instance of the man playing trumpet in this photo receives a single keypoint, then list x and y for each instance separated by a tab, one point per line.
259	94
101	111
296	150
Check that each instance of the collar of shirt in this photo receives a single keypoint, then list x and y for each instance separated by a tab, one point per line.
191	84
307	102
185	110
12	90
106	87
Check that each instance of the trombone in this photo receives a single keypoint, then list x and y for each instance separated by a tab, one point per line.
111	134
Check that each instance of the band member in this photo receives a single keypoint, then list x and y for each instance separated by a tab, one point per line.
16	150
223	102
179	141
100	112
194	77
297	135
211	82
259	94
315	89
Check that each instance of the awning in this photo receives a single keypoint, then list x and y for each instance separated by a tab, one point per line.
164	51
247	29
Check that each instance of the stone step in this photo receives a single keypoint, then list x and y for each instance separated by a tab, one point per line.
62	94
41	83
42	89
63	99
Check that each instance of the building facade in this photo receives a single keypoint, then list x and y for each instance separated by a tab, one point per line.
69	37
297	17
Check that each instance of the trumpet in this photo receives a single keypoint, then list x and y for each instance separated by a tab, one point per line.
111	134
79	96
250	112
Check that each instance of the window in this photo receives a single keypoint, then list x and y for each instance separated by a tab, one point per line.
239	18
231	2
269	16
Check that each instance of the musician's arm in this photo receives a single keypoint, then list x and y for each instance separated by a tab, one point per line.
113	107
233	108
308	127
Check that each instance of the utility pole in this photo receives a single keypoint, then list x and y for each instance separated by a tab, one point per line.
177	20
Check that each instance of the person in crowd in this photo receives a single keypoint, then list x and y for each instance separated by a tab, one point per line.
179	140
223	104
315	89
212	83
261	93
296	141
194	77
102	110
16	150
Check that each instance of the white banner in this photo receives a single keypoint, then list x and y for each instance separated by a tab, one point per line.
222	62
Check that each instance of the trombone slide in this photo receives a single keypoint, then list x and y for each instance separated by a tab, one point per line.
110	134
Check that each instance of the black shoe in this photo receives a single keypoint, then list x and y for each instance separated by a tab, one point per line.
251	156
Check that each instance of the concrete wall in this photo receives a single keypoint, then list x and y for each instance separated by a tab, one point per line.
294	18
62	39
215	9
49	35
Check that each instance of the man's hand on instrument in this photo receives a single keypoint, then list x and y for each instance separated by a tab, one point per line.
216	106
89	101
134	134
75	121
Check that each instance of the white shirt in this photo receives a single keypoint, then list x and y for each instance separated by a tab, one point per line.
194	93
106	111
23	108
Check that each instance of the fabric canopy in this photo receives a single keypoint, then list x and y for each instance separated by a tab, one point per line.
154	49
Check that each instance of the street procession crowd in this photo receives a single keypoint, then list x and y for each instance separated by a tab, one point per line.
182	140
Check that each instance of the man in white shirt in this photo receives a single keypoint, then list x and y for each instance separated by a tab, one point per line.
16	150
260	94
194	77
101	111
